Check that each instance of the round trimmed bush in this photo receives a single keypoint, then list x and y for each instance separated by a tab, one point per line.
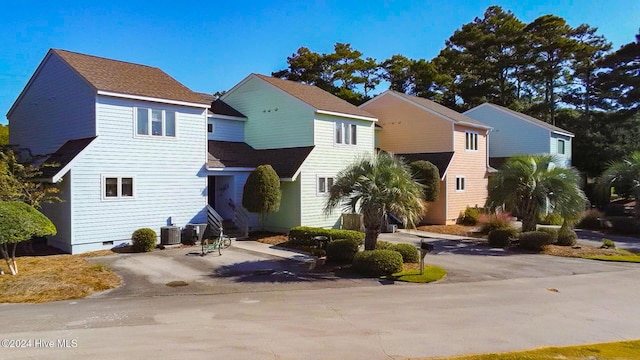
501	238
566	237
342	251
409	252
534	240
551	231
377	263
144	240
469	217
383	245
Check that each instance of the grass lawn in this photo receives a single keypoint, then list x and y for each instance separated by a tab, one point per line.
592	253
621	258
53	278
411	273
607	351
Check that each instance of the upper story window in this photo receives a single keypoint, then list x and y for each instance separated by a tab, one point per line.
561	146
346	133
209	128
155	122
471	141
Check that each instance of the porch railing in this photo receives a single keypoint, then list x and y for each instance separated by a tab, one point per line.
240	218
214	220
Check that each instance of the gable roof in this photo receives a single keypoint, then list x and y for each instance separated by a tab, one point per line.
320	100
434	107
59	163
526	117
440	159
285	161
122	77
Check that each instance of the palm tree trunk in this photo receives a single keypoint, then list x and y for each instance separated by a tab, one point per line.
372	226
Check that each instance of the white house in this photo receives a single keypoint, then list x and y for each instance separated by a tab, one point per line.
130	143
516	133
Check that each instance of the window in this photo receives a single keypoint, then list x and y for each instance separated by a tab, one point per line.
346	133
155	122
561	147
460	186
117	187
209	128
471	141
324	184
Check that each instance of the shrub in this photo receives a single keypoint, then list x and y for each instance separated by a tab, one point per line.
502	237
427	174
608	244
550	219
342	250
566	237
409	252
144	240
490	222
534	240
625	225
470	216
261	193
590	219
383	245
551	231
377	262
303	235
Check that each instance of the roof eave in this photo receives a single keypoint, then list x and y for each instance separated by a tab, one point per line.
152	99
333	113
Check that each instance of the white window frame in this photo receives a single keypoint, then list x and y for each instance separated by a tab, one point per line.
150	123
461	183
119	188
564	147
326	184
343	133
470	141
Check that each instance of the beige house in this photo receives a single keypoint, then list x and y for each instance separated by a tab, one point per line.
419	129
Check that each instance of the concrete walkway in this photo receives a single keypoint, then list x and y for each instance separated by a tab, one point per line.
271	250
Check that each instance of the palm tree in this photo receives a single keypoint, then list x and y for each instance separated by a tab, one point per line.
526	184
374	186
624	174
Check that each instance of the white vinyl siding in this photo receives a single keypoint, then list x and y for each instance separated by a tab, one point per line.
168	185
226	129
557	141
57	106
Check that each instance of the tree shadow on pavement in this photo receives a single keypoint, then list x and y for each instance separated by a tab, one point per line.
278	271
467	247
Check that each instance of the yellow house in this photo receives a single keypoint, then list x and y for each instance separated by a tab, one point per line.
420	129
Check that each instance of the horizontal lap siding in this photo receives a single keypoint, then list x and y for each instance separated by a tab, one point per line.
409	129
275	118
327	159
511	135
437	210
170	181
473	166
565	159
288	215
58	106
227	130
60	215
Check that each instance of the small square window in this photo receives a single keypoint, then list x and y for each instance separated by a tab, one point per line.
324	185
460	183
471	141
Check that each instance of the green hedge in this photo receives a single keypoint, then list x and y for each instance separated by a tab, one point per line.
303	235
501	238
409	252
566	237
551	231
534	240
342	251
377	262
383	245
144	240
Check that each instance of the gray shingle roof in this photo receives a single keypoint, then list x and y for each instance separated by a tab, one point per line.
63	156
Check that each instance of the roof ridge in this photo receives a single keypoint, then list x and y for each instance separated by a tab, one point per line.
104	58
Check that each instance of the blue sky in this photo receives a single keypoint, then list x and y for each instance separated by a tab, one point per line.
210	46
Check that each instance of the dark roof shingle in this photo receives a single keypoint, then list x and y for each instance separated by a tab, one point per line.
285	161
128	78
440	159
316	97
63	156
222	108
